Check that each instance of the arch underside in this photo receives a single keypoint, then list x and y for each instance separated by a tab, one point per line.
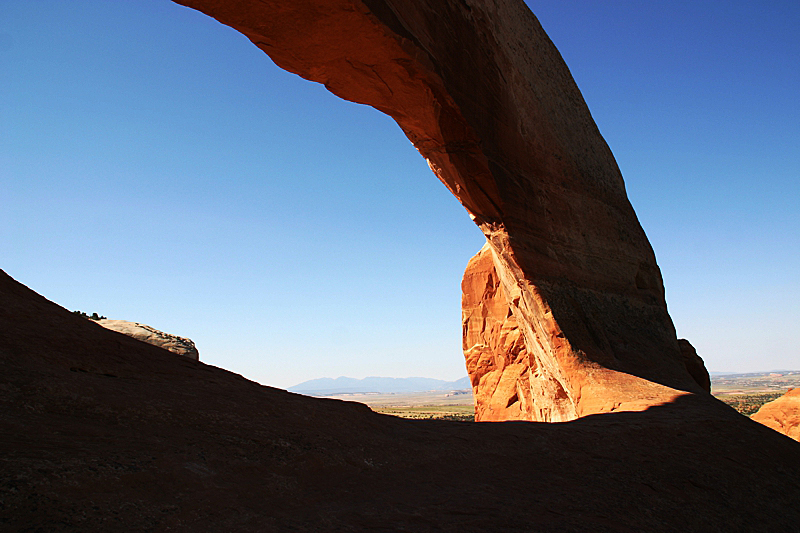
483	94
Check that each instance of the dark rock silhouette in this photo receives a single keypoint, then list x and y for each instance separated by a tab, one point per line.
694	365
99	432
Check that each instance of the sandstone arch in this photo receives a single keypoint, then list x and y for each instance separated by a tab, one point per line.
485	97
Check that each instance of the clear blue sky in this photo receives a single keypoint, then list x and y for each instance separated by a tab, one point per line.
156	167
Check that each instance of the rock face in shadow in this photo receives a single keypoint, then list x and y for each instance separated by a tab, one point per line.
694	365
486	98
101	432
504	376
782	415
150	335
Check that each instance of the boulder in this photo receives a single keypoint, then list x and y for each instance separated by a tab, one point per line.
145	333
782	415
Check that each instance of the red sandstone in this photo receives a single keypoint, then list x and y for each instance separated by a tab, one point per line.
486	98
782	415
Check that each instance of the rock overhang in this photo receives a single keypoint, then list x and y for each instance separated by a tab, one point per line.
487	100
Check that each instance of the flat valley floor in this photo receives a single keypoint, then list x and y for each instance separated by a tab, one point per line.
744	392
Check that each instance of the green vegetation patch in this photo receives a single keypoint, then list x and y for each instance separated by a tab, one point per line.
747	404
93	316
459	413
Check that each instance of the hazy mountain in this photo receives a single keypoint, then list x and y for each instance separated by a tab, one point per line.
327	386
330	386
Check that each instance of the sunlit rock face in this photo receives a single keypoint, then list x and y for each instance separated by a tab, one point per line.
501	370
486	98
507	383
150	335
782	415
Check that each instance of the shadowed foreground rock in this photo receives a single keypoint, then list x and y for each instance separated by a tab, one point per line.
486	98
782	414
101	432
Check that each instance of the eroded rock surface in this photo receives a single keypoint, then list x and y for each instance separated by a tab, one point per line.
150	335
507	383
782	415
498	362
486	98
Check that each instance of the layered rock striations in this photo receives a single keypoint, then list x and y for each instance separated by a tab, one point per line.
150	335
782	415
486	98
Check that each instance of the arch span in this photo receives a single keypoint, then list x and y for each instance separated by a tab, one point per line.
482	93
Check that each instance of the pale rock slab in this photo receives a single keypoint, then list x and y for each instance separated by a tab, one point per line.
150	335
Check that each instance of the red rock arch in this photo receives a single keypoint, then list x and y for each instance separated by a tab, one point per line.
485	97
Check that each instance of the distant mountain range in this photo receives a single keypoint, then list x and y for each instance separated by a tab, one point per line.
329	386
345	385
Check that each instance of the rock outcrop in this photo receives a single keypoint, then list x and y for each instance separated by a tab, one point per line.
498	362
145	333
486	98
694	365
504	376
782	415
